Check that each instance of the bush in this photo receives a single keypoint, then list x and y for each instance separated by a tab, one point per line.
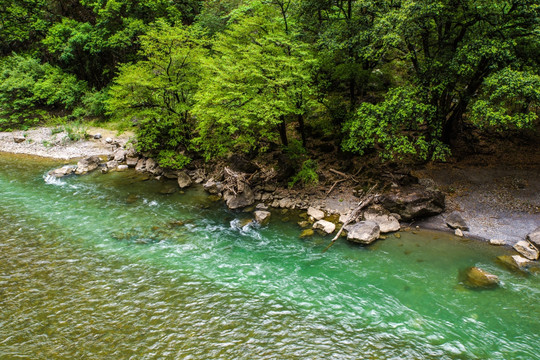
307	174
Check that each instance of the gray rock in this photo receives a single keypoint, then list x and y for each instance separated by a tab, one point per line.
326	226
262	217
534	237
184	180
527	249
170	174
88	164
120	155
315	213
132	161
521	262
213	187
363	232
477	278
141	165
97	136
455	221
63	171
497	242
286	203
18	138
243	199
151	166
109	140
113	164
261	206
122	168
413	202
387	223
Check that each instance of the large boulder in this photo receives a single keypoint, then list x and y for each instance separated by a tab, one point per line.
88	164
184	180
477	278
120	155
132	161
63	171
387	223
363	232
111	165
262	216
413	202
141	165
527	249
240	200
455	221
534	237
325	226
315	213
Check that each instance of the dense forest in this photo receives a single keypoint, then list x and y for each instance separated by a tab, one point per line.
402	79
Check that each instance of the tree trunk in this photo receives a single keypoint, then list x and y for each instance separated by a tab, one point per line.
302	129
283	131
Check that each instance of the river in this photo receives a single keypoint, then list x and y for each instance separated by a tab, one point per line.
112	267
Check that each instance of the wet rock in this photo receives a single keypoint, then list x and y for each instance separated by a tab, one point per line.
527	249
515	263
111	165
455	221
184	180
18	139
315	213
63	171
132	161
141	165
325	226
262	217
304	224
170	174
477	278
497	242
243	199
458	232
120	155
88	164
122	167
534	237
413	202
387	223
212	186
286	203
306	233
261	206
363	232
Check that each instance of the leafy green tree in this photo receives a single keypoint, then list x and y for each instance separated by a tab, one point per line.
257	79
157	93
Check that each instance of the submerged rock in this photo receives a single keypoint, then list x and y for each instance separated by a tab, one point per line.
88	164
527	249
262	217
413	202
306	233
363	232
184	180
477	278
455	221
515	263
325	226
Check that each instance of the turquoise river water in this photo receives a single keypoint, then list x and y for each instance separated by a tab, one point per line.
111	267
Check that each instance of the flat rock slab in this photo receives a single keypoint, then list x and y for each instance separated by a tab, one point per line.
387	223
326	226
315	213
526	249
363	232
534	237
455	221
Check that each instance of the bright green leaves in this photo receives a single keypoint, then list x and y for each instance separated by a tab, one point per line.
399	127
157	93
257	78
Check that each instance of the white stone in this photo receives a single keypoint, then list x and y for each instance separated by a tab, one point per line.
122	168
458	232
387	223
363	232
325	226
526	249
315	213
498	242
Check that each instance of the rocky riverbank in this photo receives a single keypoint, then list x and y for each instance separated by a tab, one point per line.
368	199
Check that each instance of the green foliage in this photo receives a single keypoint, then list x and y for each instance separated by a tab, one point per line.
75	131
307	174
400	126
257	78
172	159
156	93
27	87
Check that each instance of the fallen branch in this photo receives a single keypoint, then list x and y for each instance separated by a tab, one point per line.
333	186
355	214
338	173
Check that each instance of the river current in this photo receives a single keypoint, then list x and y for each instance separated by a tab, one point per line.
113	267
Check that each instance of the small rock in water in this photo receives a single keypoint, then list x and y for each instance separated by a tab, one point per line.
306	233
527	249
363	232
303	224
63	171
315	213
262	217
184	180
477	278
497	242
458	232
122	168
261	206
326	226
387	223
